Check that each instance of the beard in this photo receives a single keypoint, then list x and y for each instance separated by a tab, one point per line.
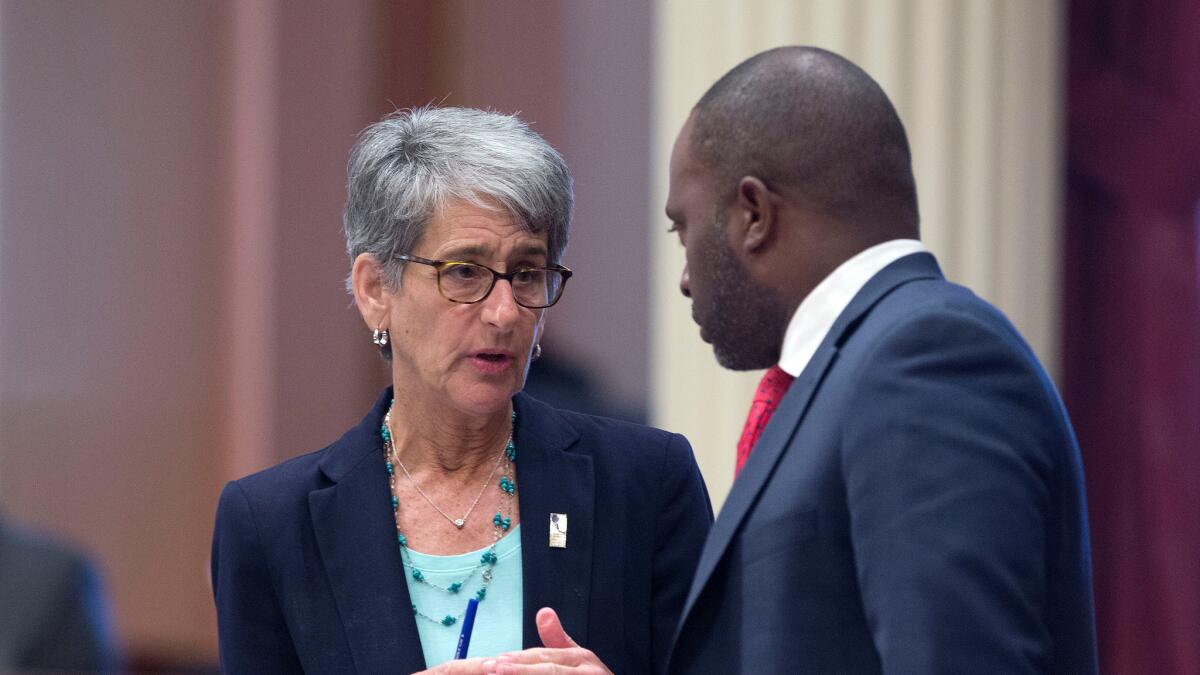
742	319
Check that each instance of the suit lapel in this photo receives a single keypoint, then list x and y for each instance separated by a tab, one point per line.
552	480
356	535
758	469
787	418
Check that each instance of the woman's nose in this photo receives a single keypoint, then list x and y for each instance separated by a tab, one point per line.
500	306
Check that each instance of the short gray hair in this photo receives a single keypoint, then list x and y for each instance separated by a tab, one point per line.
414	162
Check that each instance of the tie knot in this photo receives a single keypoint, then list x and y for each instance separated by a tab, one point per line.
771	390
773	385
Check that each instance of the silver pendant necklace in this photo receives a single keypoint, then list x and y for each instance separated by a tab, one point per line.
460	523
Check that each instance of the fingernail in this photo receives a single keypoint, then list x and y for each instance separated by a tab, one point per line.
489	666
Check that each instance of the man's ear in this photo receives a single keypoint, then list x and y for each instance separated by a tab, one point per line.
370	293
758	211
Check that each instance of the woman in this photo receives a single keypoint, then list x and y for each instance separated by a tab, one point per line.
361	557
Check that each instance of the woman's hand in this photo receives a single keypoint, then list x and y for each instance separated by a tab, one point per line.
560	655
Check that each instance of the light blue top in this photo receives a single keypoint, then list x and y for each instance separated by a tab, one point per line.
498	620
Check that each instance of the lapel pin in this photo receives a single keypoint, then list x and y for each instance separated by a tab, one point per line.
558	530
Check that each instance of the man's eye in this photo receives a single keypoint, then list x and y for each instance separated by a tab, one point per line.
673	228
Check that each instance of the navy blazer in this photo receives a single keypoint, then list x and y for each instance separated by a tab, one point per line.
915	505
308	578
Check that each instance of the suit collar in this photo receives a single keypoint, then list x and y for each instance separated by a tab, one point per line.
829	299
355	533
909	268
787	418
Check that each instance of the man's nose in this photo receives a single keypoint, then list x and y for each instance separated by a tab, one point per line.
685	283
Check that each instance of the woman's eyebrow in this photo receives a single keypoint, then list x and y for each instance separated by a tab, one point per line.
464	251
469	250
531	249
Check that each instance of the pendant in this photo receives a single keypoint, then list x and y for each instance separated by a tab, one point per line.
459	523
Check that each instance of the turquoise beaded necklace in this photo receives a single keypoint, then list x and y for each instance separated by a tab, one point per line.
501	523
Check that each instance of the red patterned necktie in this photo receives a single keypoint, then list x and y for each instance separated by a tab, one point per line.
771	388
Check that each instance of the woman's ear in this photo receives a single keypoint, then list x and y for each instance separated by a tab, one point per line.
370	293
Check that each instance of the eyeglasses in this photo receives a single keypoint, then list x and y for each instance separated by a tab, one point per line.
466	283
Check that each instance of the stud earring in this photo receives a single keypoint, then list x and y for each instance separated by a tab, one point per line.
537	352
380	337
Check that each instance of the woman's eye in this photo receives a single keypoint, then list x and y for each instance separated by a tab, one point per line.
464	272
525	276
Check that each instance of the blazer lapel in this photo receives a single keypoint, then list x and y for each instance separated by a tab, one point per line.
787	418
552	480
356	535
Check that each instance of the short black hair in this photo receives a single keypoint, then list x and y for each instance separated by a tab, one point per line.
809	123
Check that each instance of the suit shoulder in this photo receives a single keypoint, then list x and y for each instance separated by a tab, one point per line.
588	425
623	442
926	307
944	345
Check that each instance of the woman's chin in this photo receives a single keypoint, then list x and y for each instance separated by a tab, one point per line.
485	398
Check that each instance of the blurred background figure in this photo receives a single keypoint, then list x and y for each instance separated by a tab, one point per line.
574	386
54	615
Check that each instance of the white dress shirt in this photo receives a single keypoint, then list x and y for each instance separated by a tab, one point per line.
817	312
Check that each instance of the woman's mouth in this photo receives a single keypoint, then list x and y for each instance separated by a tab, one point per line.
491	362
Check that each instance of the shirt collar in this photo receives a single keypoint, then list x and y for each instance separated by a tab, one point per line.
817	312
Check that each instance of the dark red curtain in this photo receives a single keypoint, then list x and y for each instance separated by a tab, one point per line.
1132	320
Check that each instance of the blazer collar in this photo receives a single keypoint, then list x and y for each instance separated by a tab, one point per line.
779	431
355	534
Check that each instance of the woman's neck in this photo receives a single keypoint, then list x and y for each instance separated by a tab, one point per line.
430	438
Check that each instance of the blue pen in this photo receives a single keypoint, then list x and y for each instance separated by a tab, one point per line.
468	624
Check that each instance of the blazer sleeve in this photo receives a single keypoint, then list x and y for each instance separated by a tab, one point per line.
253	634
684	519
947	460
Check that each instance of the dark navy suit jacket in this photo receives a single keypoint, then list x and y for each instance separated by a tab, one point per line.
307	573
915	505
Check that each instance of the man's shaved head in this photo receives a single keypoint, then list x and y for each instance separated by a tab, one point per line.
814	126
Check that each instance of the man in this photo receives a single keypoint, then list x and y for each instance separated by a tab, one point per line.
915	503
